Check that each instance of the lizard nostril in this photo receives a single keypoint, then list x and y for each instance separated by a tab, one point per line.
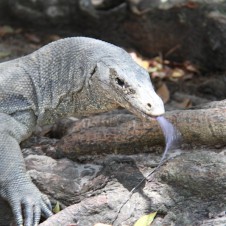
149	105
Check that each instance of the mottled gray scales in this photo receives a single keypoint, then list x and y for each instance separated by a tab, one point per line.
73	76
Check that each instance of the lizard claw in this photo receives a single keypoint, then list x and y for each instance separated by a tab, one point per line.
28	203
47	201
46	210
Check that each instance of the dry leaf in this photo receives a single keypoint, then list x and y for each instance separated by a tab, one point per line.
5	30
156	64
186	103
146	220
192	5
53	37
18	30
33	38
177	73
190	67
141	62
35	46
56	209
188	76
164	93
100	224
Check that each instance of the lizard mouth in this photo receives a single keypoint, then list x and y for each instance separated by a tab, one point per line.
144	114
141	114
136	110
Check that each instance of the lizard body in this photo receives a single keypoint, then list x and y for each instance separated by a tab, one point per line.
69	77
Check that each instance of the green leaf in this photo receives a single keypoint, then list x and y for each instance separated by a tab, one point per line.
146	220
56	209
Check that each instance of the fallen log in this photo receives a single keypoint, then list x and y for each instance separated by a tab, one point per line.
124	133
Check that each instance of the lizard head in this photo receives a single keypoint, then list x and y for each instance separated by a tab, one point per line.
126	83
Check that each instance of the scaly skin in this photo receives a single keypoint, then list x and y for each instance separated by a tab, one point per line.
73	76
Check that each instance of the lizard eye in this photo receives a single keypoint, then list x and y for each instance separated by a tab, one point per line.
120	82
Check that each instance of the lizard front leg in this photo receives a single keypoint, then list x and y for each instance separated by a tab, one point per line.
26	201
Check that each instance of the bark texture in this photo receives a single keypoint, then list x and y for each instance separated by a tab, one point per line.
124	133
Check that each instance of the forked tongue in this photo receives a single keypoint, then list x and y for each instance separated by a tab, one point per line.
171	134
172	138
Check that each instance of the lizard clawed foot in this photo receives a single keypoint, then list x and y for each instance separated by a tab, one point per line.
28	203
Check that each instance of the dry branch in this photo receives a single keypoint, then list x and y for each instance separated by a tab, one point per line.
123	133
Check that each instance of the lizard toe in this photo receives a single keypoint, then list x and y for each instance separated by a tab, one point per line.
28	214
27	204
45	210
17	212
47	201
37	215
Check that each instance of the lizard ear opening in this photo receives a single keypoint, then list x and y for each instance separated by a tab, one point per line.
89	75
94	70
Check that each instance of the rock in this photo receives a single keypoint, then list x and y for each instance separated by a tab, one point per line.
62	179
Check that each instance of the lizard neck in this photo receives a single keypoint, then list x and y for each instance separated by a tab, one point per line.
85	102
